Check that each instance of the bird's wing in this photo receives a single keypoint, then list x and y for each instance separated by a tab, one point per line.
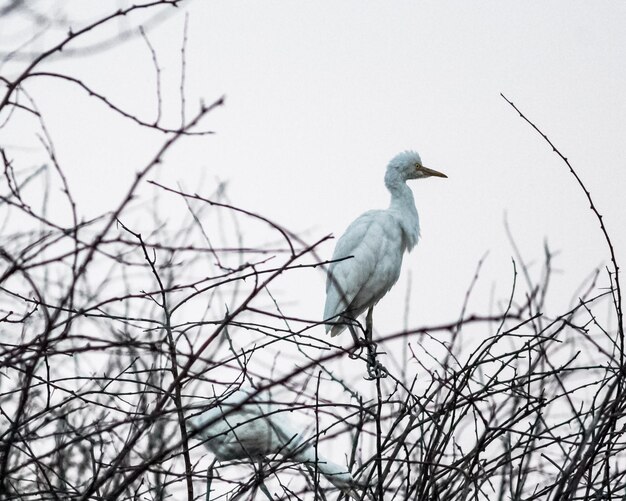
342	279
388	250
237	427
374	241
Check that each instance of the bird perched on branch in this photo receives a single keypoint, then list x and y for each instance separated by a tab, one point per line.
244	425
376	240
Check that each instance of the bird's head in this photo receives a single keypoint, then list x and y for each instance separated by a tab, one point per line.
408	165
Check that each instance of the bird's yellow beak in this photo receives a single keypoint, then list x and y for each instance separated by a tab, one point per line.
431	172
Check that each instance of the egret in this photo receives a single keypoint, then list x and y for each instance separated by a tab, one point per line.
376	242
243	426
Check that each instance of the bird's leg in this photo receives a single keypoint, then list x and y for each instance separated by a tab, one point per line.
368	325
355	351
209	479
261	482
375	369
264	490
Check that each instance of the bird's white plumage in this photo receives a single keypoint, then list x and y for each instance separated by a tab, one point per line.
376	240
244	425
375	266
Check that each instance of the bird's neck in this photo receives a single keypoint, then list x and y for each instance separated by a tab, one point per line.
403	204
338	475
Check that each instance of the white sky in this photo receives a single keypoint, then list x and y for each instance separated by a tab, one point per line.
319	97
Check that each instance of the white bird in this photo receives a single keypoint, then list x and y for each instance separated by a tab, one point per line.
244	426
376	240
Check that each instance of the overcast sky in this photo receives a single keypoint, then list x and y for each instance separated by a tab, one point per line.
320	95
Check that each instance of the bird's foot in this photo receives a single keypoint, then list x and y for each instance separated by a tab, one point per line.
355	352
375	369
359	345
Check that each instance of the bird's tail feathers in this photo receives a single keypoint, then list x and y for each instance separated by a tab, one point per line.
335	330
